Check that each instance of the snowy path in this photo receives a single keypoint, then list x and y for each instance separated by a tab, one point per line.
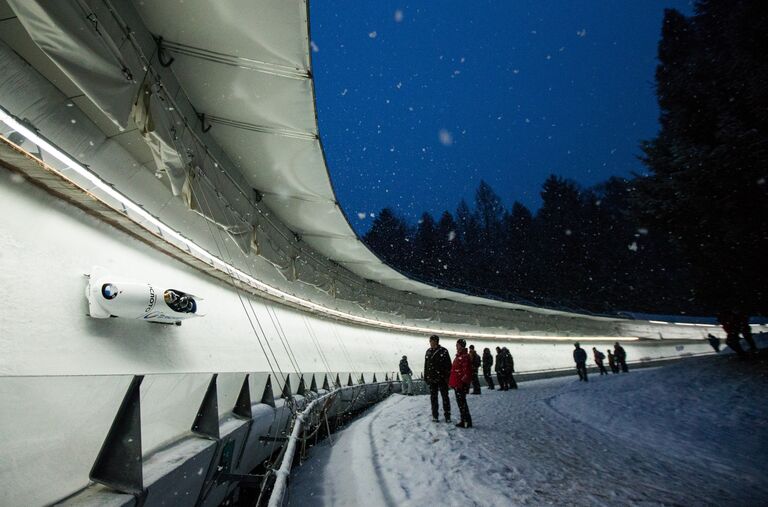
695	433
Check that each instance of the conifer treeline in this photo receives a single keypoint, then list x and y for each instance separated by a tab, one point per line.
691	236
583	249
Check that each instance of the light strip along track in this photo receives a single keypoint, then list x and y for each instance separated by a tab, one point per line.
191	253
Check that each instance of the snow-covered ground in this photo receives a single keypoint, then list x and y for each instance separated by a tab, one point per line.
690	433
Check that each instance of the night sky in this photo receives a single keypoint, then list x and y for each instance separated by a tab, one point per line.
417	102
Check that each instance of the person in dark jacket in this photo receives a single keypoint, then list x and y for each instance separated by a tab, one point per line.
621	357
406	376
735	323
476	361
714	342
580	358
487	363
437	369
612	362
461	377
599	357
501	360
509	368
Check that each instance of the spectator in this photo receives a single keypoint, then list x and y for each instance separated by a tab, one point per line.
476	361
501	360
461	377
580	358
487	363
437	369
599	357
612	362
735	323
406	376
714	341
509	368
621	357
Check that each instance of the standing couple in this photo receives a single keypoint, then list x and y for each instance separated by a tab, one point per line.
440	374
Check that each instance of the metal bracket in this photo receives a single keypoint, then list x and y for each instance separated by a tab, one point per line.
119	462
207	420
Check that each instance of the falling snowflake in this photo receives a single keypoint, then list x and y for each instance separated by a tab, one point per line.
568	232
446	138
633	246
361	215
398	16
642	231
372	35
582	32
344	92
315	49
451	235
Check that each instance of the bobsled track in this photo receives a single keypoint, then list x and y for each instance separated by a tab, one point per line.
172	148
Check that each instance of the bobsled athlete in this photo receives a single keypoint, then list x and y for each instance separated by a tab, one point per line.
179	302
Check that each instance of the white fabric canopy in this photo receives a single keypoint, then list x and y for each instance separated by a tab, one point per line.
226	104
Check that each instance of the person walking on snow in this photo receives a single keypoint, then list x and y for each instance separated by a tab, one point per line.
580	358
487	363
476	361
501	360
437	369
599	357
621	357
612	362
461	377
406	376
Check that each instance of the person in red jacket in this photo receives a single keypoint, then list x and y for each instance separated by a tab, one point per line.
460	379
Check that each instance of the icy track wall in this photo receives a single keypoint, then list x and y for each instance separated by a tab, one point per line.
64	374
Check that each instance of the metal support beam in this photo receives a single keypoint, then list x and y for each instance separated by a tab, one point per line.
207	420
268	396
119	462
243	404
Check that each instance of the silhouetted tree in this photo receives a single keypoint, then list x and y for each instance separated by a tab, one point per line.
387	237
447	249
425	248
707	188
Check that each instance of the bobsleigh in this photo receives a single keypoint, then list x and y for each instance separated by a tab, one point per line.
109	296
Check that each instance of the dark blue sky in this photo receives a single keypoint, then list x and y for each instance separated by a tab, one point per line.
419	101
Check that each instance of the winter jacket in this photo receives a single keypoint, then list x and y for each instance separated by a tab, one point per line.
437	365
501	362
404	368
620	353
461	371
599	357
476	361
510	360
580	355
487	361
